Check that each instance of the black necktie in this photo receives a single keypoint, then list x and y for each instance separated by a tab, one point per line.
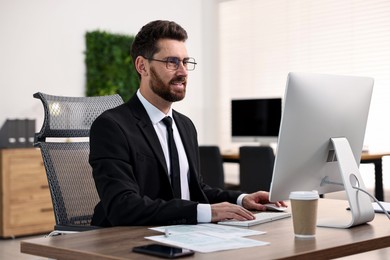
174	159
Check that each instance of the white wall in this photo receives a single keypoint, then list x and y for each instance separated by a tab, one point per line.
42	44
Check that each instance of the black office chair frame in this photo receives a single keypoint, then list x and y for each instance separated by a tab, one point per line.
65	156
211	166
256	168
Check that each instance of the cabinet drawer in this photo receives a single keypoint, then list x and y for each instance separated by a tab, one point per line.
33	213
26	206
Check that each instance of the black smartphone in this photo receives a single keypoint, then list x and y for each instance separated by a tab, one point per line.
163	251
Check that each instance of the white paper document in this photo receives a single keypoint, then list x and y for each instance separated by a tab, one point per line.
210	229
207	238
377	208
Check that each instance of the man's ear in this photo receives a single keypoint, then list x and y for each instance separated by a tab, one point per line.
141	66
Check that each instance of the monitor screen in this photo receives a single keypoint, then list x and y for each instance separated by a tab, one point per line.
319	110
255	120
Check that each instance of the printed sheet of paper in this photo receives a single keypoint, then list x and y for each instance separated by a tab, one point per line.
207	238
205	243
210	229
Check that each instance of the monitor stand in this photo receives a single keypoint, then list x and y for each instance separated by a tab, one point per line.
359	202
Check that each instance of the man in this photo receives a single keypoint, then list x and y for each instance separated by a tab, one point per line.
130	152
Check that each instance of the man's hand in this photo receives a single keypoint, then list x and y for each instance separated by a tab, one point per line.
255	200
226	210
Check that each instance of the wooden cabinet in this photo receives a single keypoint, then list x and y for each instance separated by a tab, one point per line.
25	203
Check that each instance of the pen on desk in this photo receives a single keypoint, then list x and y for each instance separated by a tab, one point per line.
167	233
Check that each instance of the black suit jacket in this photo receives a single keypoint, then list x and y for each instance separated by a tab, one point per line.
131	175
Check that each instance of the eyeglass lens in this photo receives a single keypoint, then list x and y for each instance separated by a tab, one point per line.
174	63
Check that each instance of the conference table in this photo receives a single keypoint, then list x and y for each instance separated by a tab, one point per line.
117	242
374	158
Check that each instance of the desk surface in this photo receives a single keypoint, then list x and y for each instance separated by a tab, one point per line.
365	156
373	156
117	242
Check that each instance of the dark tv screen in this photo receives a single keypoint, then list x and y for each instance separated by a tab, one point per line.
256	117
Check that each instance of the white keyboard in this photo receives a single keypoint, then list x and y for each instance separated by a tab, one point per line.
261	217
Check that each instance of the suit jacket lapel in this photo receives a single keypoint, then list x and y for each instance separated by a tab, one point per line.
196	191
147	129
185	138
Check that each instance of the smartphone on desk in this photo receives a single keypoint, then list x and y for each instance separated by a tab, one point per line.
163	251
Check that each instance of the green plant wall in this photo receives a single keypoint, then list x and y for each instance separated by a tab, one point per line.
109	66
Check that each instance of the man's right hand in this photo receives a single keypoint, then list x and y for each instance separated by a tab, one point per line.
226	210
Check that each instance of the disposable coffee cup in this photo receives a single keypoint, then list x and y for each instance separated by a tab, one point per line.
304	213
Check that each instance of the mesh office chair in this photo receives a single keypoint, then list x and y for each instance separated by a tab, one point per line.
69	174
256	168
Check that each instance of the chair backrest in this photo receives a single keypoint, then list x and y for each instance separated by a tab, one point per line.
256	167
211	166
69	174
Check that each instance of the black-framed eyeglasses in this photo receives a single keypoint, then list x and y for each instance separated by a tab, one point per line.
172	63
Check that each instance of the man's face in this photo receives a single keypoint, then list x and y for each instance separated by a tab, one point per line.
169	84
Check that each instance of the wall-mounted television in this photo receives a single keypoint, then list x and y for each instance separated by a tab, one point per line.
256	120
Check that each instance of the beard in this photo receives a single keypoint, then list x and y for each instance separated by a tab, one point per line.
164	90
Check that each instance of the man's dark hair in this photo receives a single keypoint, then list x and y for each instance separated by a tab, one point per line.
145	42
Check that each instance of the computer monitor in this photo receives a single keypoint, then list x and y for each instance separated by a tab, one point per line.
321	138
256	120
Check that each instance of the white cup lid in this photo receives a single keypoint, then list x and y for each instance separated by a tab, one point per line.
304	195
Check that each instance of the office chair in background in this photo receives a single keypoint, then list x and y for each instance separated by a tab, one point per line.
64	144
256	168
211	168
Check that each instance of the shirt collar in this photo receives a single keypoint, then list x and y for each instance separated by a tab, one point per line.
154	113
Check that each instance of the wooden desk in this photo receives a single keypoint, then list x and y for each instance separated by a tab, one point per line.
376	159
117	242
